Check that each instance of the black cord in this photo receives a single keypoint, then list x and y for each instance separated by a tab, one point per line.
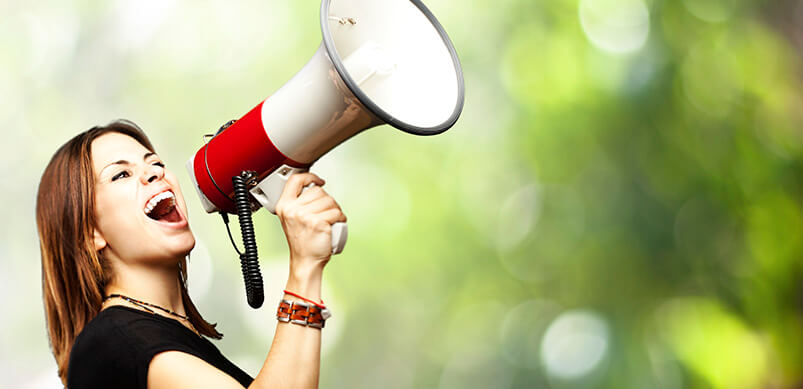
249	260
225	217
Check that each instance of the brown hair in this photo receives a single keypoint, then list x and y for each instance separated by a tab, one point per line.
73	273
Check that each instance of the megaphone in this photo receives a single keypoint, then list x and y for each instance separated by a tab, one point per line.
380	61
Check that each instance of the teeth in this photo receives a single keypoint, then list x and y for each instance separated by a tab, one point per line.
156	199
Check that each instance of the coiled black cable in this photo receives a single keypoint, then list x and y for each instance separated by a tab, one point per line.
249	259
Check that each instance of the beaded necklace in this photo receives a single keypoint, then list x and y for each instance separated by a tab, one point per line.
145	305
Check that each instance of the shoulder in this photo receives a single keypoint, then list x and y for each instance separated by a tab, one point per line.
114	348
118	329
102	347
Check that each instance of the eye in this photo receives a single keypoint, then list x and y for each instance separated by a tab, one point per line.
122	174
160	164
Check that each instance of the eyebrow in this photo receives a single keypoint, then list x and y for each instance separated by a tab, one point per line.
124	162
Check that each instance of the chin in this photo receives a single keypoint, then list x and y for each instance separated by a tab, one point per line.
177	246
184	247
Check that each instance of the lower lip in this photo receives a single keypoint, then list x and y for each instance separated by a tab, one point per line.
172	225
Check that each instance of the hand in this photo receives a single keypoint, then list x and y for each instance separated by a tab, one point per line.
307	220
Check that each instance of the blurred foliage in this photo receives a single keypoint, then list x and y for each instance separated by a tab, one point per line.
626	180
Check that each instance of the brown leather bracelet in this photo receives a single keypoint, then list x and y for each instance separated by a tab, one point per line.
301	313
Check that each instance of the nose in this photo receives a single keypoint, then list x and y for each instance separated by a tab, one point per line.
152	173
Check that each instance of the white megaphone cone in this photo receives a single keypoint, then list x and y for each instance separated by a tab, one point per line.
380	61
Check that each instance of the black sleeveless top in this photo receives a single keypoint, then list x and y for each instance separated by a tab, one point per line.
115	349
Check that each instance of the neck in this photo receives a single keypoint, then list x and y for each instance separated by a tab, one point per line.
157	285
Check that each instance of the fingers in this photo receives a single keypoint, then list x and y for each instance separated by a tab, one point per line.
310	201
297	182
333	216
321	204
310	194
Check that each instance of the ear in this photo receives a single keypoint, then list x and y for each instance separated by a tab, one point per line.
100	242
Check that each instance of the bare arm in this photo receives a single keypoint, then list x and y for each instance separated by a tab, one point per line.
294	357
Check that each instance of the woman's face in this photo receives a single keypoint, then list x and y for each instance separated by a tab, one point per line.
139	208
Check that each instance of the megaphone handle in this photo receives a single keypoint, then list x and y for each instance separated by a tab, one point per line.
268	191
340	231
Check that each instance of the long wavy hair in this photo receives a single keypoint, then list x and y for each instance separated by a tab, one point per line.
74	275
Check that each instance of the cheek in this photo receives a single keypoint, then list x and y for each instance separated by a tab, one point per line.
103	209
173	181
113	213
177	191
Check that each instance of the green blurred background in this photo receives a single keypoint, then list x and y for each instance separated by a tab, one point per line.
619	206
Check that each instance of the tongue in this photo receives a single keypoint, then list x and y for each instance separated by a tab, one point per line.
170	216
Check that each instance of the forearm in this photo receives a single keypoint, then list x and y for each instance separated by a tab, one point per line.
294	357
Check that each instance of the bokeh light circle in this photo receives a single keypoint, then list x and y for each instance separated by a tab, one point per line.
574	344
615	26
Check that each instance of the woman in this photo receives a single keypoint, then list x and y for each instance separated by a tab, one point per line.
114	237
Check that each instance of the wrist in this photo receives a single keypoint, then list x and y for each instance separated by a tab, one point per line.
305	282
306	267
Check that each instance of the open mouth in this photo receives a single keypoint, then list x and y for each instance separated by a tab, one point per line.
162	207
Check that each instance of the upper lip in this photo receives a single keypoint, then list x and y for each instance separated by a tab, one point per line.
160	191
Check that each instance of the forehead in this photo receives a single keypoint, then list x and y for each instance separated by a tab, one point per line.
114	146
